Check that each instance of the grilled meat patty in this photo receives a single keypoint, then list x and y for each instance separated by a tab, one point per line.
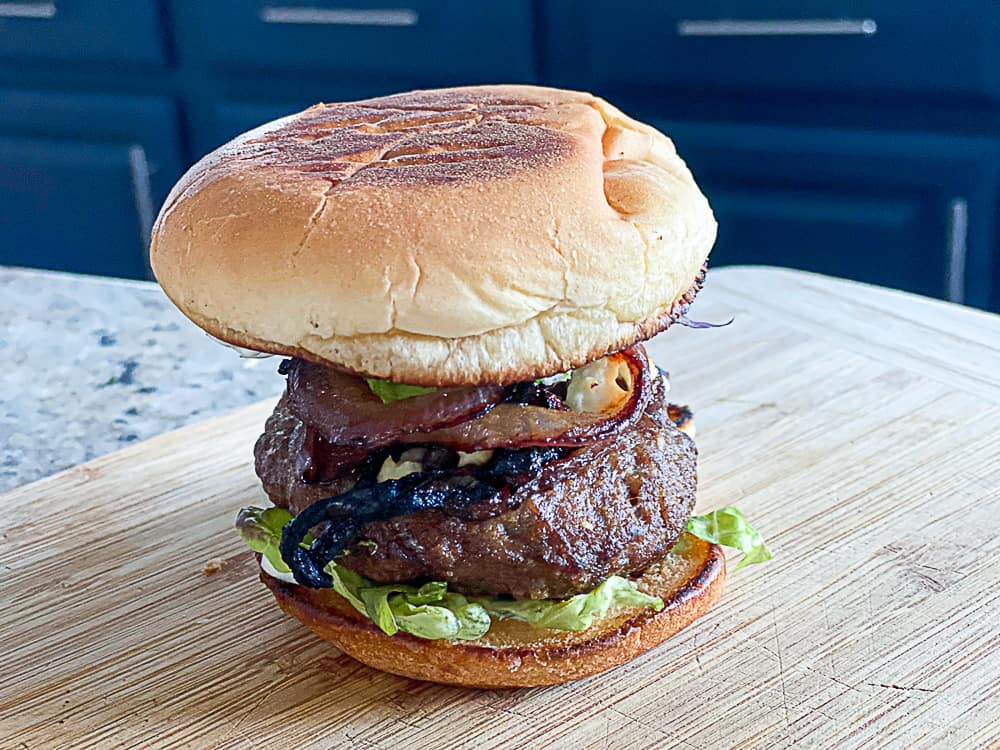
613	507
285	453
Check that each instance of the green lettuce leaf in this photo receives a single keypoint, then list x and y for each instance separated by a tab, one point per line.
390	392
426	612
730	528
576	613
473	619
348	584
260	529
425	620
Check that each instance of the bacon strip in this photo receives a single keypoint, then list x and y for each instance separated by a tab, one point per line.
522	426
342	409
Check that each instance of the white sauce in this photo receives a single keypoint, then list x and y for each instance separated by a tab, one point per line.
476	458
266	566
391	469
397	469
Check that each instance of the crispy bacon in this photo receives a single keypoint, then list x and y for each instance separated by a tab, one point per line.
525	426
342	409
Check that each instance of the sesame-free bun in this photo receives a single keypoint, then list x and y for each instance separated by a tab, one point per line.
689	579
470	235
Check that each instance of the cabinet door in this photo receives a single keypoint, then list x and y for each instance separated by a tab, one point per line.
81	179
904	210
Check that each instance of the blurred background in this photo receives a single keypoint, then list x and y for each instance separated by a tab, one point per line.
857	138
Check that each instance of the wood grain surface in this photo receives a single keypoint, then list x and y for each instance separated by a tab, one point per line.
858	428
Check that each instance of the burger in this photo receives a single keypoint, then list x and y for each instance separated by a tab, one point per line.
476	475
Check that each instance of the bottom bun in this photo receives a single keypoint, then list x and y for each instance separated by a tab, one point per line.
515	654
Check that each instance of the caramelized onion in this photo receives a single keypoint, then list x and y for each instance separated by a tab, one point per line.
524	426
343	410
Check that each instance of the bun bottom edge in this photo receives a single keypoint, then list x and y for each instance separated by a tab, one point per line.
522	656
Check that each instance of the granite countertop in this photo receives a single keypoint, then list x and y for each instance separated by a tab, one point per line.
94	364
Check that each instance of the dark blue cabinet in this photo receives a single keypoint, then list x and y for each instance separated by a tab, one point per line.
852	47
906	210
84	32
81	178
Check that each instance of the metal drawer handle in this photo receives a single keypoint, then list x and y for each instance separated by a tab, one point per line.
958	249
44	11
779	27
142	191
339	16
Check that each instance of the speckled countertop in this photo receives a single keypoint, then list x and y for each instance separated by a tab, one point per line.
92	364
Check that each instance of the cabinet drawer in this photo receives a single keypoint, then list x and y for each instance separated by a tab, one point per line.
81	179
850	46
903	210
99	31
418	40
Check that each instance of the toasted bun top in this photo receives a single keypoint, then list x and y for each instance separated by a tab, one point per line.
471	235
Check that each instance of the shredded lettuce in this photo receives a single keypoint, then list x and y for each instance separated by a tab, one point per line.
390	392
429	611
730	528
576	613
433	612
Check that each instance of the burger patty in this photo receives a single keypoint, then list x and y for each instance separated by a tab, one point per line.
614	507
284	454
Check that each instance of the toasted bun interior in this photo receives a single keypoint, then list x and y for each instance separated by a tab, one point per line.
514	654
472	235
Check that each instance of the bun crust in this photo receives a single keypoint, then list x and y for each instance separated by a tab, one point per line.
471	235
515	654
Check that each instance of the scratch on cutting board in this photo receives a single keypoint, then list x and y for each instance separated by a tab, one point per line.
830	677
697	654
234	729
781	669
900	687
265	694
652	728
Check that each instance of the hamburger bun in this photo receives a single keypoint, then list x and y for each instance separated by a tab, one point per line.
475	235
515	654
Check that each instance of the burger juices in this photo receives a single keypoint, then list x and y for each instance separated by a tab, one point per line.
476	475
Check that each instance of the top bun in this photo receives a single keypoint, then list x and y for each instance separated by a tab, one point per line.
488	234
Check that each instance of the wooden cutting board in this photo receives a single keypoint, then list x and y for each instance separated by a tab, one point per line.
859	429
